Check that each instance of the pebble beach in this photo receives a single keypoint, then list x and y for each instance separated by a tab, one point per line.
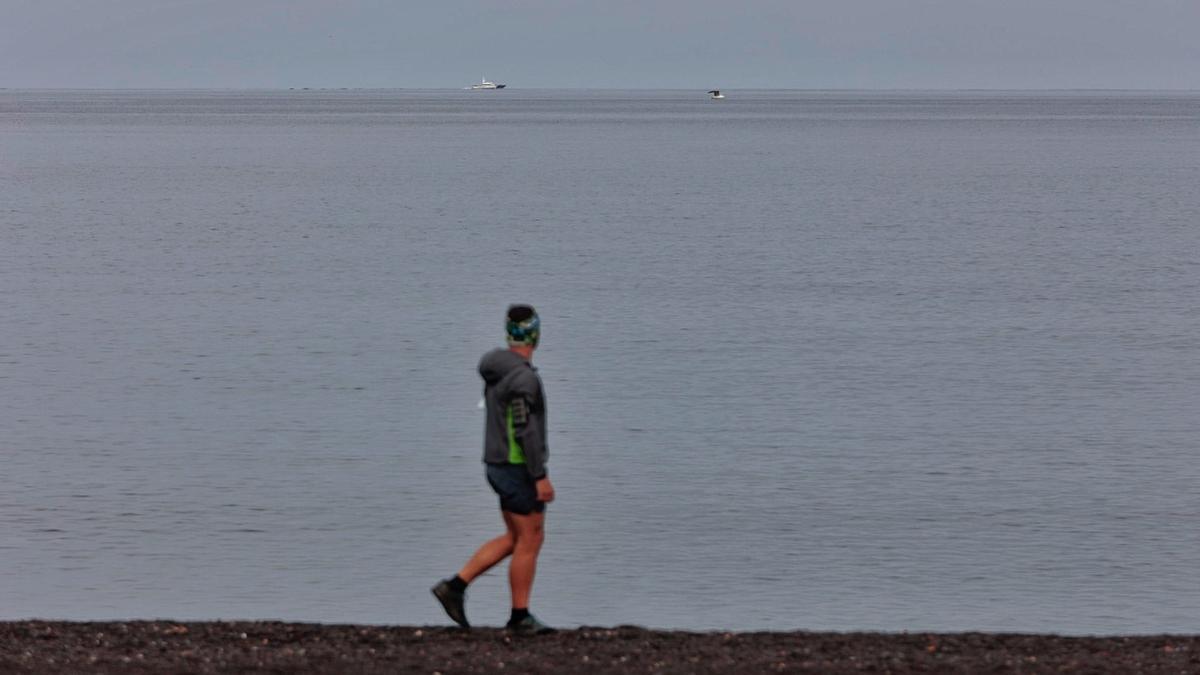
279	647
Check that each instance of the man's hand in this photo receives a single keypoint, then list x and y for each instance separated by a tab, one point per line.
545	491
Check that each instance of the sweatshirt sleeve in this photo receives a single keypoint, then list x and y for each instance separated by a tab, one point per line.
529	423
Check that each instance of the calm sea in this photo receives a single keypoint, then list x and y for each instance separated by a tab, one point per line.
820	360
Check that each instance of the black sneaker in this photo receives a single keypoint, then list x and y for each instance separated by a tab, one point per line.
452	601
529	626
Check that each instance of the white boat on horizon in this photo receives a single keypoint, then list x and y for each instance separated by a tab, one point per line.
487	85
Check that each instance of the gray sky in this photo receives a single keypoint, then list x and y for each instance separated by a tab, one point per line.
1139	44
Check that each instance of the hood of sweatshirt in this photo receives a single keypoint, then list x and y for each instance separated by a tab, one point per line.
498	363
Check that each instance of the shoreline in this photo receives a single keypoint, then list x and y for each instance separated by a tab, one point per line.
162	646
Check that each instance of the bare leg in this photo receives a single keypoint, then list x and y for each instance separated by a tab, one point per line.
529	533
489	554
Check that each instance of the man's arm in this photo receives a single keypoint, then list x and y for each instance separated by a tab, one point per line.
529	424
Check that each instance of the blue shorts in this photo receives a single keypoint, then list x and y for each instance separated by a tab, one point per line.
515	487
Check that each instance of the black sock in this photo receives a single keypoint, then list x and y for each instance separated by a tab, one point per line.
457	583
518	614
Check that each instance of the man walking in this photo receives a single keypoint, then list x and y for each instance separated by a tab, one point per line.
514	454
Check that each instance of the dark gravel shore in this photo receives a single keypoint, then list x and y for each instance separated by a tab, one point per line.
273	647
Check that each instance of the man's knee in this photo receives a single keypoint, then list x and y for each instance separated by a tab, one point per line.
530	541
529	535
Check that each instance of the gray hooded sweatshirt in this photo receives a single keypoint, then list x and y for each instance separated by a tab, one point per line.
515	429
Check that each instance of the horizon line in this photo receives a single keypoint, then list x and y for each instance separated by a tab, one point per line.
673	88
